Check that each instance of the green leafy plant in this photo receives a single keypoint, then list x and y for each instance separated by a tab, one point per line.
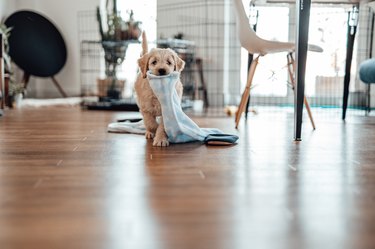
5	31
115	37
14	87
116	28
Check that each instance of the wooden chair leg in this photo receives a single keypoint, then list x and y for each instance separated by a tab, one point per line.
59	87
2	88
246	93
307	105
2	81
291	70
25	81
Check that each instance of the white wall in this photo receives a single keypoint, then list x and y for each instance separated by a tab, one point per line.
6	8
64	15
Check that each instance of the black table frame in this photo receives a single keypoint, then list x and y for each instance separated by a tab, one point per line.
348	64
303	18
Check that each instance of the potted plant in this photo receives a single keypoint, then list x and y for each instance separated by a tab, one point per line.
13	91
5	32
16	91
115	37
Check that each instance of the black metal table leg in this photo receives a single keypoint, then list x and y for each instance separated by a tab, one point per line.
303	18
348	63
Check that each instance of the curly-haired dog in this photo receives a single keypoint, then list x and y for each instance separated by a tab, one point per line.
160	62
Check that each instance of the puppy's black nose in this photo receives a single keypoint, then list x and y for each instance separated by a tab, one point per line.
161	71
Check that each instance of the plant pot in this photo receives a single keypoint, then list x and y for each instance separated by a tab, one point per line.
113	94
106	89
7	97
132	33
17	100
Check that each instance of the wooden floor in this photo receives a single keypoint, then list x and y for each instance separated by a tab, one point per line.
67	183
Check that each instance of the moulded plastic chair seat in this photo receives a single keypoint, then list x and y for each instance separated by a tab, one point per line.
250	41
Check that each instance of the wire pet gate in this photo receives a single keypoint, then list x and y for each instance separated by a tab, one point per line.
216	44
97	60
210	26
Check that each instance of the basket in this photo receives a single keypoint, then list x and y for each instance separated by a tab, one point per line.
105	84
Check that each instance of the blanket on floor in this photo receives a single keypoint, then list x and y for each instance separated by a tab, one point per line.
178	126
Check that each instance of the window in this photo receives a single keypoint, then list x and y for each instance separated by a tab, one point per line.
144	11
324	71
271	76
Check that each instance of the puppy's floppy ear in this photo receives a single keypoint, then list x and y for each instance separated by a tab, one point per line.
180	64
143	64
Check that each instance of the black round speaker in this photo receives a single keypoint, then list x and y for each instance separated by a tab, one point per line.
35	44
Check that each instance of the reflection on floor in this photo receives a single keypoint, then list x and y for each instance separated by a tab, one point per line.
67	183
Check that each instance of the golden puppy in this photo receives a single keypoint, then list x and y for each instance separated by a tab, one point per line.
159	62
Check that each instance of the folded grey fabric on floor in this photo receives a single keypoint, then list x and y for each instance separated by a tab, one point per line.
127	127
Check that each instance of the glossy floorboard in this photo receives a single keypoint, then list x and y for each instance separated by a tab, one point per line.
67	183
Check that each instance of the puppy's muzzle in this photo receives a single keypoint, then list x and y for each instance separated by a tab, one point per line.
162	71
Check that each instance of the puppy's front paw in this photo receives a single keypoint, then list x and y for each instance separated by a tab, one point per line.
160	142
149	135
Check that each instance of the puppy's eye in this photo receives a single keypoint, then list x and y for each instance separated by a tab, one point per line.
154	62
169	62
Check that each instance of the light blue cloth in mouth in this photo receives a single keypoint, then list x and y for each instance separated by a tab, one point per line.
178	126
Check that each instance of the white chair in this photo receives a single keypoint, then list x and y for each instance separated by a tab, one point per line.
250	41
